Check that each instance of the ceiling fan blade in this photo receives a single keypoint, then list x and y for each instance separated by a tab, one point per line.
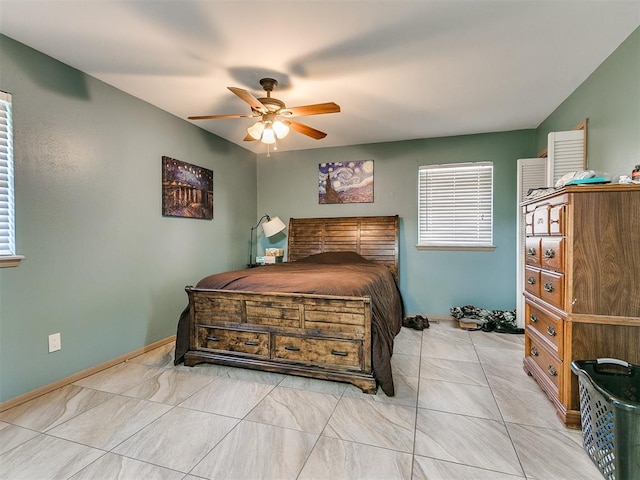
306	130
249	98
218	117
317	109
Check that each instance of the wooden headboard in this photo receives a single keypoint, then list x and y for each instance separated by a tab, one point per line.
374	238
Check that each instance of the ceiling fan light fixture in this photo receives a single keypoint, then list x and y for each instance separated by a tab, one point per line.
281	129
268	136
255	130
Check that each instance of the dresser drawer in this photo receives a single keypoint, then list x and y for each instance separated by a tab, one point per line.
532	280
552	253
528	223
552	288
546	362
342	353
532	251
541	220
547	325
230	340
556	220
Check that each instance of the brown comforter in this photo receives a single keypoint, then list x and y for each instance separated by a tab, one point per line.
342	273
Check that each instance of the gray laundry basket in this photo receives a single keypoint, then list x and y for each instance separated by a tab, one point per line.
610	413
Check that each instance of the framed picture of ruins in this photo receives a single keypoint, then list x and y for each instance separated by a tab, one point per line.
187	190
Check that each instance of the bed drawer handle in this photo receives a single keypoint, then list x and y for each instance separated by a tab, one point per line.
292	349
212	339
533	317
549	253
531	280
251	344
552	371
531	251
548	287
339	354
551	331
534	352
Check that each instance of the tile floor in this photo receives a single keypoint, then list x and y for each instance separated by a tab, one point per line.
464	409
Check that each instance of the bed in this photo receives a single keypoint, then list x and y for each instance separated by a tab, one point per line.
330	312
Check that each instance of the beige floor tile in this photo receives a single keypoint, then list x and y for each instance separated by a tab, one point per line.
11	436
257	451
333	459
111	422
313	385
116	467
46	457
161	357
451	397
473	441
500	355
54	408
373	423
407	344
296	409
431	469
178	440
228	396
248	375
548	453
498	340
508	377
406	365
406	392
120	378
449	331
527	408
452	371
171	387
438	347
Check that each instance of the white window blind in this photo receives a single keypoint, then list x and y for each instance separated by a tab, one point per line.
455	205
7	227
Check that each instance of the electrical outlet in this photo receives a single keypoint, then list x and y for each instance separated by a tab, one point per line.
55	343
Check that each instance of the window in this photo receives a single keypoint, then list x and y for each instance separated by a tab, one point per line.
8	255
455	206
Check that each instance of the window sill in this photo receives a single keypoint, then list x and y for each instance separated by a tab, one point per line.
473	248
10	260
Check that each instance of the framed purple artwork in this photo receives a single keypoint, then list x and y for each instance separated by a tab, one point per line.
187	190
345	182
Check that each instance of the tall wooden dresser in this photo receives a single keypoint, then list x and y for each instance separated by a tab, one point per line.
582	285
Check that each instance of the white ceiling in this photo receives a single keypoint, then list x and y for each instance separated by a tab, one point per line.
399	69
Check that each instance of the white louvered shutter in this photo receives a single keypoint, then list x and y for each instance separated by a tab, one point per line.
566	154
532	173
455	205
7	228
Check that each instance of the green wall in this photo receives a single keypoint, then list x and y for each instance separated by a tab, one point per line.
610	99
103	267
431	281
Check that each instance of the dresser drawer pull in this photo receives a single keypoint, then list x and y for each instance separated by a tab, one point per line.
552	371
292	349
251	344
549	253
551	331
548	287
531	280
540	220
339	354
533	317
534	352
212	339
531	251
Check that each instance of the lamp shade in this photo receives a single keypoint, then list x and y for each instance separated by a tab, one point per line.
273	226
268	135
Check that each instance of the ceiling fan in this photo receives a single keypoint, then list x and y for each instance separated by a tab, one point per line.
274	115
